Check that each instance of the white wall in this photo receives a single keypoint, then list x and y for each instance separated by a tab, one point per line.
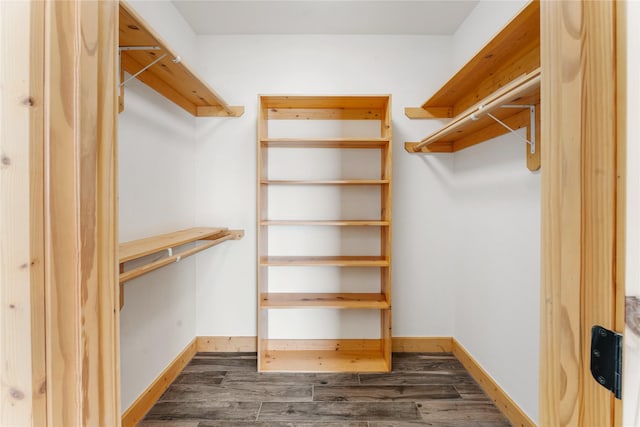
156	195
496	213
409	67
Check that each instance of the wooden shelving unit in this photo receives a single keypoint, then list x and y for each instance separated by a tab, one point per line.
340	354
505	72
137	249
140	46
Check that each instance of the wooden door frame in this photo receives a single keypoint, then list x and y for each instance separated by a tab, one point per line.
583	205
59	245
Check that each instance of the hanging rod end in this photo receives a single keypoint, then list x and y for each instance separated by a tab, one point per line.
177	59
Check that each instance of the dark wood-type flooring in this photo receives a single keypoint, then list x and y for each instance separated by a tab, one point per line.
224	389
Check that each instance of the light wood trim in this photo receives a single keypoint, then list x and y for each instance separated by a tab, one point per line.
323	361
138	409
623	114
326	182
507	406
337	261
142	247
335	223
346	345
82	313
578	207
214	240
176	81
22	307
325	143
422	344
400	344
226	344
429	113
324	300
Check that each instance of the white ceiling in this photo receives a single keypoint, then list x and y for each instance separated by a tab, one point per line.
325	16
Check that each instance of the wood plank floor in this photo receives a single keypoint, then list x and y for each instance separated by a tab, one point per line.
224	389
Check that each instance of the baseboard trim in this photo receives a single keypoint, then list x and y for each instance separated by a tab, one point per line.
400	344
502	400
421	344
150	396
227	344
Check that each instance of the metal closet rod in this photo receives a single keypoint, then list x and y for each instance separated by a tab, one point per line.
502	96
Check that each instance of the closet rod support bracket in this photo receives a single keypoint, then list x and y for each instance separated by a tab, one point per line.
532	123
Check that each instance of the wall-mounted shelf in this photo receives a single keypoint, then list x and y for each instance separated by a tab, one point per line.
327	261
337	223
140	46
324	300
326	182
137	249
505	73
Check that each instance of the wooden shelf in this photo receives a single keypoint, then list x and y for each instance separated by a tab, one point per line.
361	107
336	261
325	182
338	223
505	71
137	249
324	300
175	80
340	355
325	143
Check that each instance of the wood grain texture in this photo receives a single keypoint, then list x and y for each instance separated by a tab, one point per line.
510	53
324	143
136	412
138	248
81	295
226	344
327	182
337	261
22	333
324	300
578	206
501	399
422	344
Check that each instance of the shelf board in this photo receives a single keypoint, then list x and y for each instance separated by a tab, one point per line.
174	80
362	355
285	107
339	223
336	261
136	249
513	51
324	300
324	182
325	143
